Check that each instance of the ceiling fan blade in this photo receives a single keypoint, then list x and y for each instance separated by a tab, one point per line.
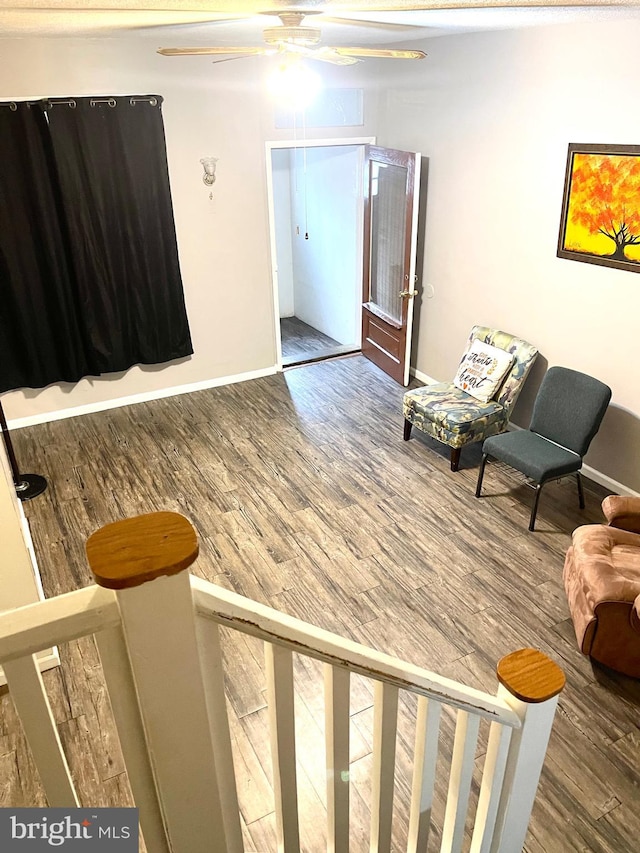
203	19
364	52
231	58
369	22
215	51
329	54
323	54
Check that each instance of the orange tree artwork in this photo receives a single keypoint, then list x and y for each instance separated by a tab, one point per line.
601	211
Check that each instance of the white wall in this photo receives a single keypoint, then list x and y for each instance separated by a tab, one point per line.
281	173
326	202
17	580
220	110
494	113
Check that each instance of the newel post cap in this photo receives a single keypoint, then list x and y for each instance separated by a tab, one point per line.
530	675
135	550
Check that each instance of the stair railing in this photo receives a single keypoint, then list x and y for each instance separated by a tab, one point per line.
157	630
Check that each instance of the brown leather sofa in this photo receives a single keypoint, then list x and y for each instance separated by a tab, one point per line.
602	581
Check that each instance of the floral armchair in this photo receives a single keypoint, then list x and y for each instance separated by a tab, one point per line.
454	417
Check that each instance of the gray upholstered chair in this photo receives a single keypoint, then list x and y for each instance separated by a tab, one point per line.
567	413
455	418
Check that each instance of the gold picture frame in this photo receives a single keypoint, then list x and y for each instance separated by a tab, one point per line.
600	220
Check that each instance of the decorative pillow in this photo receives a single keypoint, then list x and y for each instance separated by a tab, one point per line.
482	369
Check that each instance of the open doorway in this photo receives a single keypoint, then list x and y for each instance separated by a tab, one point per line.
316	219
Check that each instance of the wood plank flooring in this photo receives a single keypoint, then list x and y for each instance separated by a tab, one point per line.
305	497
302	343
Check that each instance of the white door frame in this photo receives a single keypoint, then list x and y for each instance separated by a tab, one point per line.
360	141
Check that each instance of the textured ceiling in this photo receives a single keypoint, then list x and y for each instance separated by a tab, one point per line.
353	22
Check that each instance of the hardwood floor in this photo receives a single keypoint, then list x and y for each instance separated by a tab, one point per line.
305	497
301	343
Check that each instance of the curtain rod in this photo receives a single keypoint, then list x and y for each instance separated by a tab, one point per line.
152	100
49	102
136	99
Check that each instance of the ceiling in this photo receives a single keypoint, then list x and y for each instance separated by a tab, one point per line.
238	22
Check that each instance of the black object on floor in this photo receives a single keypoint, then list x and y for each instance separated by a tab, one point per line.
27	485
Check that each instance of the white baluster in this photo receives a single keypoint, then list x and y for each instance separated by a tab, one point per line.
121	687
279	665
213	676
424	773
462	760
32	704
491	788
336	697
385	721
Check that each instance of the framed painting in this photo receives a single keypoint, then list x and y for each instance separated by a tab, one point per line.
600	221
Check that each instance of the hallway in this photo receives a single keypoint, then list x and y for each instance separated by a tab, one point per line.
302	343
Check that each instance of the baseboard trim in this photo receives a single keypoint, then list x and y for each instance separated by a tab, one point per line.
145	397
428	380
597	476
614	486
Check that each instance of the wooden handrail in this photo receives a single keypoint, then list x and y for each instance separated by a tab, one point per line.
135	550
235	611
530	676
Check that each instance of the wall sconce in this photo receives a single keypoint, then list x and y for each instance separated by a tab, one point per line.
209	166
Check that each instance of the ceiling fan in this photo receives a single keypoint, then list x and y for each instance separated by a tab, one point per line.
291	37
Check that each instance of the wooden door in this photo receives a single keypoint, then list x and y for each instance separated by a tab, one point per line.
392	180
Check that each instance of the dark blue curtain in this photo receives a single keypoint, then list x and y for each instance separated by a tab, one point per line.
89	275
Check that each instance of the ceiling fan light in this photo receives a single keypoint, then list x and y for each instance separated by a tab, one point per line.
294	85
295	35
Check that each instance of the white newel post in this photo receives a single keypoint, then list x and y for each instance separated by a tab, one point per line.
530	683
143	559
